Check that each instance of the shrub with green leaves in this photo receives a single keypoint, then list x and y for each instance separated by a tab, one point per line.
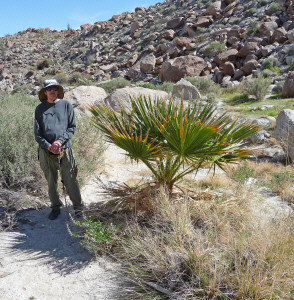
44	63
257	87
80	79
18	151
96	236
271	63
252	11
243	172
114	84
204	85
274	7
213	49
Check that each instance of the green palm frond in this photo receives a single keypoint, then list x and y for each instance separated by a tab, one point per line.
171	139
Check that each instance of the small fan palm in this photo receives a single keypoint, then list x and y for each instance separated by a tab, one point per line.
171	139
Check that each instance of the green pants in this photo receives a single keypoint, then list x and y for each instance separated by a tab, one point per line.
68	166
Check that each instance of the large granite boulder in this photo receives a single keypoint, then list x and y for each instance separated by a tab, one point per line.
120	98
186	90
175	69
284	131
82	97
288	87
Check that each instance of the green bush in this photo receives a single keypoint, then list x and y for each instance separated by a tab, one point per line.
262	3
166	86
80	79
243	172
96	236
252	11
270	62
147	85
213	49
273	8
257	87
204	84
44	63
18	151
114	84
61	78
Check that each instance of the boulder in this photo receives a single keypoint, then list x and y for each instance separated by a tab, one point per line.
202	22
175	69
267	26
120	98
260	137
186	90
228	55
279	35
249	66
288	88
214	9
284	131
175	23
84	96
228	68
249	47
147	63
168	35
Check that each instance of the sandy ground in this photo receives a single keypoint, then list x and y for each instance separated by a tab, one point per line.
41	260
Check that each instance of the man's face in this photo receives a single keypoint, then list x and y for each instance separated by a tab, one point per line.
51	93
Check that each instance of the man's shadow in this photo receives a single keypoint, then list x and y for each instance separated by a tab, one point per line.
48	241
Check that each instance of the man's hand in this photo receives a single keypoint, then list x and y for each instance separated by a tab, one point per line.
55	147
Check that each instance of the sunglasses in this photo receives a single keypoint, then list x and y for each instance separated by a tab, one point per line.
54	88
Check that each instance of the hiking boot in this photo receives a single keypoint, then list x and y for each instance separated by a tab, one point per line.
55	212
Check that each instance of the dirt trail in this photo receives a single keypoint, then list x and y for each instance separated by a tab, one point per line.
41	260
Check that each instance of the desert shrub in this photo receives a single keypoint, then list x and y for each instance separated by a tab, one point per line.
114	84
257	87
251	11
236	21
204	84
261	3
272	63
96	236
87	148
62	78
166	86
213	49
243	172
279	87
80	79
147	85
274	7
209	249
44	63
18	151
291	66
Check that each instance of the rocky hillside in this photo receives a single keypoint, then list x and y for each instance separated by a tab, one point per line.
227	40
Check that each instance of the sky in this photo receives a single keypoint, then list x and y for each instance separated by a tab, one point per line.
18	15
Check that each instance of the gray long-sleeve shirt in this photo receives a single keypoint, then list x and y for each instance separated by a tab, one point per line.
54	121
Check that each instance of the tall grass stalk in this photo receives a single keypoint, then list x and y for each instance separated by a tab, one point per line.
209	250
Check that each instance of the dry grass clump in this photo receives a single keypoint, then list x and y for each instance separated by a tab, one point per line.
279	178
208	249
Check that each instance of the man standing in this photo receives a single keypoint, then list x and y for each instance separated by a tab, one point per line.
54	127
